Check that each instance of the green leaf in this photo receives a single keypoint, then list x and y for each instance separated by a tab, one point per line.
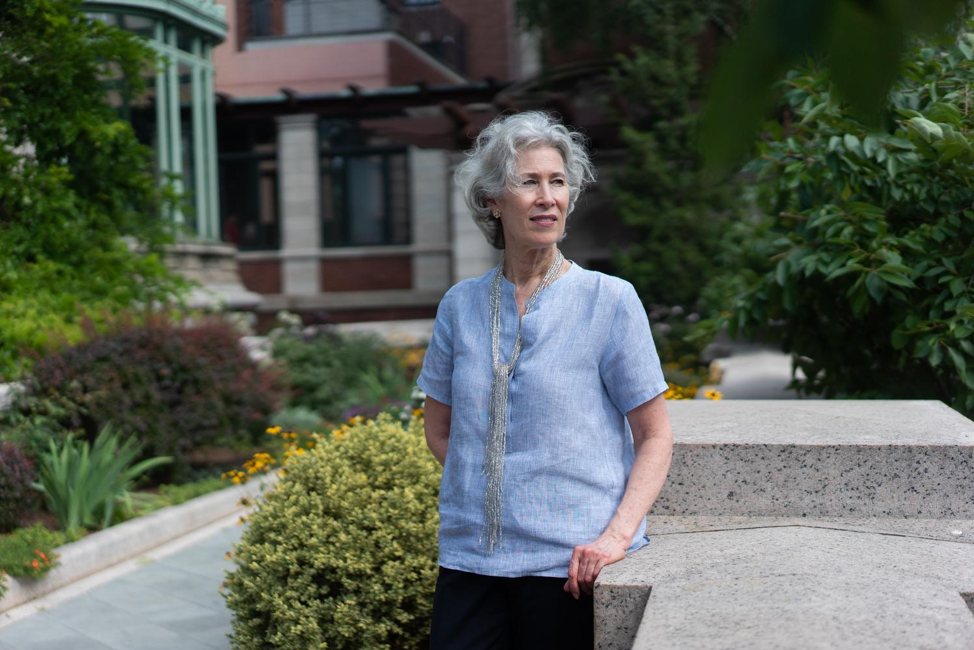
957	286
936	355
813	114
892	166
876	287
958	360
930	131
845	269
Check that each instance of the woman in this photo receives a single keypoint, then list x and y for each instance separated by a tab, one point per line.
531	375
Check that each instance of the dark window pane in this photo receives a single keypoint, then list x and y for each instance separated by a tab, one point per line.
139	24
365	199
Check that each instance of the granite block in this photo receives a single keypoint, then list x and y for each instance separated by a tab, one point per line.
893	459
797	586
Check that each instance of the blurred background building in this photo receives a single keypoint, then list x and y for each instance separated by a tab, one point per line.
316	141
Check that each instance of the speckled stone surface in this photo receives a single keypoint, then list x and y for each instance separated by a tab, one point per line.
794	587
829	524
820	459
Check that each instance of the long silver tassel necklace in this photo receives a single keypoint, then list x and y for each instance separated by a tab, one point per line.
497	418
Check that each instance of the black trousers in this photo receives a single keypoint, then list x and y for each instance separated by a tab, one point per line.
475	612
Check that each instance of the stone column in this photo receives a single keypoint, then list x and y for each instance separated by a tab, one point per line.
298	179
472	255
430	208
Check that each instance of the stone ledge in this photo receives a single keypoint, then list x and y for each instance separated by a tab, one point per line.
111	546
879	458
790	586
775	529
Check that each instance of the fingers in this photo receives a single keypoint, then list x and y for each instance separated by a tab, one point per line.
572	585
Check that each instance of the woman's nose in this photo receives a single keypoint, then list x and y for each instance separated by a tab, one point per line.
544	194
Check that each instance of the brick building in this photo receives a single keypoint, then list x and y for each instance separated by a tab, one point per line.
339	125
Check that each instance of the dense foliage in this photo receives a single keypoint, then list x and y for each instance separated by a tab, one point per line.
867	235
176	387
16	476
342	553
74	180
865	39
674	212
332	374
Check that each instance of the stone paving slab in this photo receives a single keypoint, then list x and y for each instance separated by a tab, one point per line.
170	603
788	587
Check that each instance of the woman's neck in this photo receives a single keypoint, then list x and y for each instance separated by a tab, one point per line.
527	268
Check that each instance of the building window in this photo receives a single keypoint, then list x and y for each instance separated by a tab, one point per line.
249	195
365	197
364	188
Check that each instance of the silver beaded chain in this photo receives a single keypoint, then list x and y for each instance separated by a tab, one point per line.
497	417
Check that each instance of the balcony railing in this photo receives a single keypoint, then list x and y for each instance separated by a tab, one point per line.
430	26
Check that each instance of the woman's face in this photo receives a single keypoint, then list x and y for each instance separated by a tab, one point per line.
534	209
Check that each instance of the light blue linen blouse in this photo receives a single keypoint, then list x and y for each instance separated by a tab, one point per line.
588	359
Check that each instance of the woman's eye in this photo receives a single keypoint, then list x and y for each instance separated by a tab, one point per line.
558	181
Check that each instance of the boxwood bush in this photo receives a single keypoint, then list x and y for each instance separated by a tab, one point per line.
342	553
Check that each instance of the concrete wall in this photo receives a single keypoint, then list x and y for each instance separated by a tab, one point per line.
472	255
297	151
428	170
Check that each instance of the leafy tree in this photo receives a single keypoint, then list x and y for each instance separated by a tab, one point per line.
867	238
77	190
675	213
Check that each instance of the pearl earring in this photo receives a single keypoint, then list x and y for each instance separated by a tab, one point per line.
497	215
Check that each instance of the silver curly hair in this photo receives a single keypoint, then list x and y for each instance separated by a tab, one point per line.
491	164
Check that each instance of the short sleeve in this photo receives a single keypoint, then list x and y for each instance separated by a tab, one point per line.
436	378
630	366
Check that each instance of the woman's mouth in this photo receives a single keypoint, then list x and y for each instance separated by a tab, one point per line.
544	220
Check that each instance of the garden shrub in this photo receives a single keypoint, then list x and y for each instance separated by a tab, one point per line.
342	553
176	387
331	373
29	552
16	476
868	262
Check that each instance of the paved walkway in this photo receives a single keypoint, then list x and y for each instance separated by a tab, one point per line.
169	603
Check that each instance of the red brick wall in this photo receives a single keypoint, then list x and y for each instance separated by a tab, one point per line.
489	32
367	273
262	276
268	320
406	67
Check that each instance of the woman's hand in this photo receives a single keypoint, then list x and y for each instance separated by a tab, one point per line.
589	559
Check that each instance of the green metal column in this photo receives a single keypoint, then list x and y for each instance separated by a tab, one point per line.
209	108
200	201
176	149
162	106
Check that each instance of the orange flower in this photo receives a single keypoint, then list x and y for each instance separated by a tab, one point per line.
35	564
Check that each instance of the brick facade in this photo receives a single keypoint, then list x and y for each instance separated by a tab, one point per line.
262	276
367	273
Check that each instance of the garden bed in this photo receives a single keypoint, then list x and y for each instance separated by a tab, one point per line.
106	548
